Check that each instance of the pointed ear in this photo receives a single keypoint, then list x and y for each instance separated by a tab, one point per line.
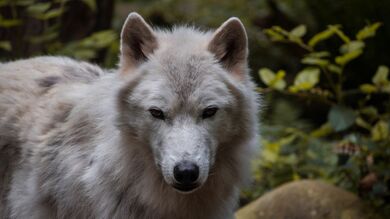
229	44
137	42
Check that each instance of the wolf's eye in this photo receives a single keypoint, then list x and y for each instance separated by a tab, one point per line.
157	113
209	112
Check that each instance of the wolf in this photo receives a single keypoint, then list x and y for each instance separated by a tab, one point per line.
169	134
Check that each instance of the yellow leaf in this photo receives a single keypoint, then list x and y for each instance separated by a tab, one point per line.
293	89
266	75
336	29
368	31
38	8
295	176
352	46
287	140
271	150
369	111
344	59
307	79
315	61
274	147
278	82
335	69
368	88
298	31
380	131
381	75
386	88
275	36
271	79
6	45
360	122
323	131
91	4
321	54
280	30
269	156
321	36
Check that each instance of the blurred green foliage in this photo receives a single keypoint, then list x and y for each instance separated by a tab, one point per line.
352	147
41	23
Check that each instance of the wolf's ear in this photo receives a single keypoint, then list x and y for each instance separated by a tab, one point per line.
229	44
137	42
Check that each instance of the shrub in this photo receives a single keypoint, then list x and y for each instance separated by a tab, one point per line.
34	27
352	147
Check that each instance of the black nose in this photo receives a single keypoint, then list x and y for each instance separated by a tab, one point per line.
186	173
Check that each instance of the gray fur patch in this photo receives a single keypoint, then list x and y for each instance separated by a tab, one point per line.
48	81
87	74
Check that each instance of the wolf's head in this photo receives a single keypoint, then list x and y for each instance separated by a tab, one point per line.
189	96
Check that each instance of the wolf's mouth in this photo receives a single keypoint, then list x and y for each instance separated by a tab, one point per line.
186	188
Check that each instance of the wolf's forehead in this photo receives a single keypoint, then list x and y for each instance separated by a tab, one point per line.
184	79
186	74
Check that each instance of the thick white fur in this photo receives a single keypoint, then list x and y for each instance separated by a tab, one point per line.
79	142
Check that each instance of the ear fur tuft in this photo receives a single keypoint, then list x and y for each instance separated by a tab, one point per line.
229	44
137	42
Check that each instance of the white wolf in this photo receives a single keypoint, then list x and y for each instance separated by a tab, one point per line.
168	135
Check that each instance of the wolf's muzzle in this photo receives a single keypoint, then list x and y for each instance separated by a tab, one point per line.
186	175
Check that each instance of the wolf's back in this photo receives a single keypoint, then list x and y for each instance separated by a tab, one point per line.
23	84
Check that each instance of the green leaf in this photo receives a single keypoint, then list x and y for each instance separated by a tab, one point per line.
45	37
369	111
336	29
368	88
335	69
323	131
298	31
381	76
315	61
306	79
266	75
362	123
280	30
352	46
368	31
321	54
91	4
9	22
24	2
386	88
3	3
38	8
347	57
84	54
279	83
287	140
88	47
50	14
341	117
275	36
100	39
5	45
321	36
380	131
270	153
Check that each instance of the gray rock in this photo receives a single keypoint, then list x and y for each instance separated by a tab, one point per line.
306	199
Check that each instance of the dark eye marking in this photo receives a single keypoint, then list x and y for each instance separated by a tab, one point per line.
209	111
157	113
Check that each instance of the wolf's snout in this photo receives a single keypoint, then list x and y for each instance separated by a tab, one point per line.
186	175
